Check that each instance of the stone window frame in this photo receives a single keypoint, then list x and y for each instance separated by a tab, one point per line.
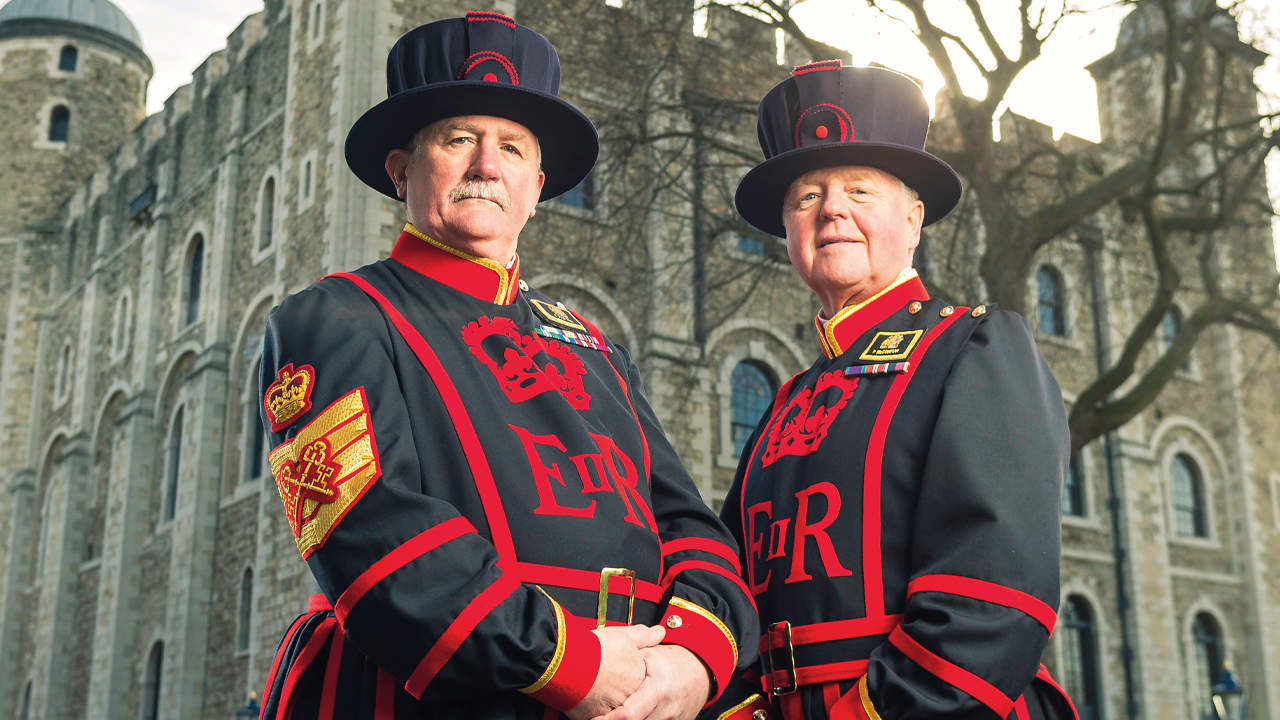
1208	485
252	422
43	121
1099	636
753	350
260	251
314	28
170	475
64	379
1060	280
146	673
1189	369
244	613
76	59
185	317
24	700
121	325
1193	612
307	180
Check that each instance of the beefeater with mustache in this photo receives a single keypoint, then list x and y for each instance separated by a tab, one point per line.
496	522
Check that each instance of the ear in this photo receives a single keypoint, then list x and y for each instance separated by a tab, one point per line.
542	179
397	165
915	221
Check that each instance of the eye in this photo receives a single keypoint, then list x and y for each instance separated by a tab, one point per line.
514	150
459	140
806	197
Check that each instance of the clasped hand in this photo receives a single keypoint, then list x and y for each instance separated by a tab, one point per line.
640	679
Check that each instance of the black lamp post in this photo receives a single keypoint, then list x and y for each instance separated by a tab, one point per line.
250	710
1229	698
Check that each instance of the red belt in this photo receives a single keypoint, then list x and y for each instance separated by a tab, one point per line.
784	676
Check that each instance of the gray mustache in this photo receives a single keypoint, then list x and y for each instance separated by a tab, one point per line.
483	190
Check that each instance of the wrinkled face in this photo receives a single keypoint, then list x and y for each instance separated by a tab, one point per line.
471	182
850	231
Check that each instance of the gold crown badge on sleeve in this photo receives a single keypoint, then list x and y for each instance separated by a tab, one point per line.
289	396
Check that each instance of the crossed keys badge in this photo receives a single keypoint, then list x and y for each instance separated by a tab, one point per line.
315	482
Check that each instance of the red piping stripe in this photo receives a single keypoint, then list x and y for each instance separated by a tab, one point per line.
459	630
687	565
384	704
763	432
707	545
872	571
480	471
1043	674
1020	708
414	548
300	665
581	580
813	674
831	631
954	675
275	663
987	592
329	693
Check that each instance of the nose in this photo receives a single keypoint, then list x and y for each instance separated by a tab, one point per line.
835	204
484	162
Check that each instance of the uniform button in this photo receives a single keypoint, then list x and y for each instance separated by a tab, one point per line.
946	311
915	307
980	311
524	286
674	622
760	715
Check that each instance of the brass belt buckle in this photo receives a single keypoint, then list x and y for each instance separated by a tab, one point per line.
785	626
602	601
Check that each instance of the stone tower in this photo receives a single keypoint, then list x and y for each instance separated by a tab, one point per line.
73	83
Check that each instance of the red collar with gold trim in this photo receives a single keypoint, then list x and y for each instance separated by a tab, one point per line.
846	327
481	278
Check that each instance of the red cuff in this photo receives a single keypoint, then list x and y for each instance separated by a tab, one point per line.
747	709
573	668
700	632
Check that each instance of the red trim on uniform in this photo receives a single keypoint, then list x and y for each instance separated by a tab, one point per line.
574	579
872	571
830	694
467	276
1043	674
986	592
814	674
849	328
704	638
412	549
317	602
849	706
578	668
792	708
329	692
707	545
816	66
384	704
459	630
644	443
275	662
1020	708
687	565
761	434
301	664
952	674
747	710
461	421
775	638
483	15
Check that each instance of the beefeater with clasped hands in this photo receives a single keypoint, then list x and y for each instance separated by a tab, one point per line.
898	504
496	522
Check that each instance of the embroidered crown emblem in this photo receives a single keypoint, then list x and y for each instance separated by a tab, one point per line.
289	396
525	365
801	427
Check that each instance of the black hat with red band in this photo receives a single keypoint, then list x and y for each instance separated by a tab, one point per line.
826	115
483	64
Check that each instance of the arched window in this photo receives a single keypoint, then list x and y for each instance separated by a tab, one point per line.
195	270
173	465
1170	326
59	123
151	683
1050	303
1079	637
245	616
266	217
751	389
24	710
62	385
1073	489
1206	639
1187	488
67	58
255	440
